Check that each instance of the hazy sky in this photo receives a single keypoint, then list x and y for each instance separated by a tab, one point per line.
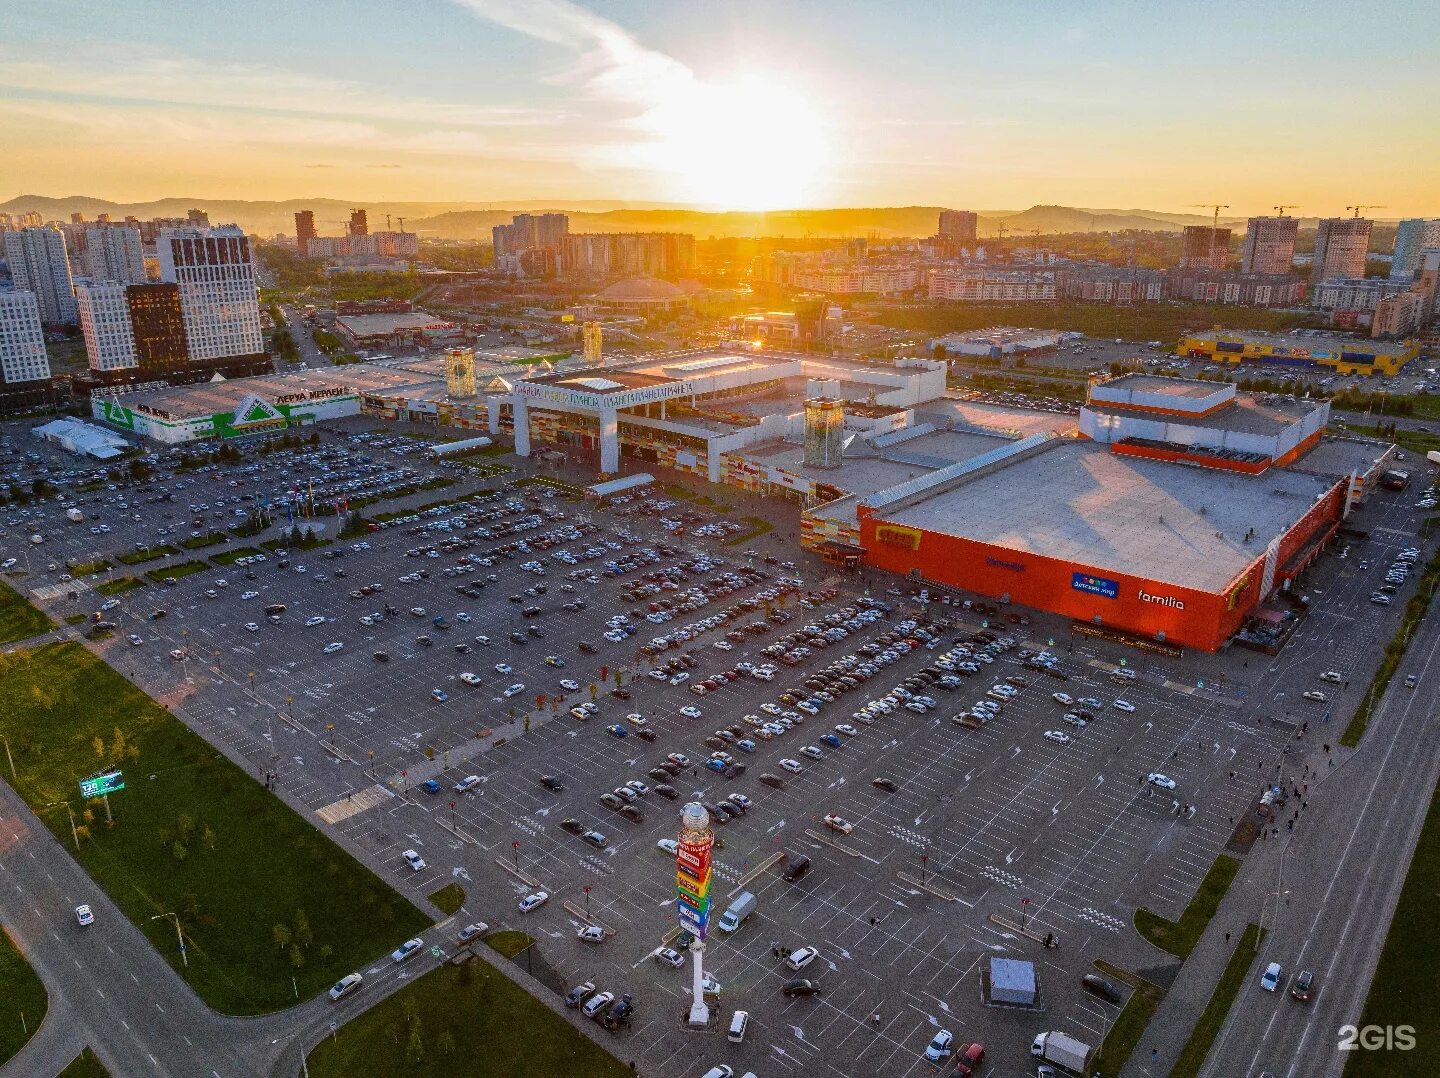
759	104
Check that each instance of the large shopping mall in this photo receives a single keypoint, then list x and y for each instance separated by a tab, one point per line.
1169	509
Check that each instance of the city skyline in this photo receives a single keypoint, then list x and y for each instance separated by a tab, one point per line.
765	106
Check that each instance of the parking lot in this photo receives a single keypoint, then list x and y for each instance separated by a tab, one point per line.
994	821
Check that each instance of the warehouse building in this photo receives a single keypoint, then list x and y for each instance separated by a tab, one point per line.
1338	355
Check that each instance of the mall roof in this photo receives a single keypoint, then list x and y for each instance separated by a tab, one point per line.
1190	388
384	325
1325	342
598	380
1341	456
1246	414
641	290
77	436
1077	502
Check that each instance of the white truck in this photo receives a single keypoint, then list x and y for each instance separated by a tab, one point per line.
741	908
75	516
1062	1050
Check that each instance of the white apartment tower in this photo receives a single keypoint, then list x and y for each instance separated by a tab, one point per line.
22	340
115	254
1413	235
1269	245
39	264
218	298
105	322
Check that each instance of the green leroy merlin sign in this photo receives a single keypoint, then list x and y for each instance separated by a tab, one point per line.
98	785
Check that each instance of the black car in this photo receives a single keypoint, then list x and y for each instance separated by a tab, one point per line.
1093	982
888	785
380	657
734	771
518	637
156	615
620	1012
530	612
665	790
574	827
633	814
579	994
620	693
424	641
730	809
587	648
645	735
775	782
659	774
550	782
464	649
801	986
535	630
716	815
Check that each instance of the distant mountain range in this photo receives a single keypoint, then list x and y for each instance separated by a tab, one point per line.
473	220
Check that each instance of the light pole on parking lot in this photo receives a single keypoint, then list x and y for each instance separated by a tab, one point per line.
586	889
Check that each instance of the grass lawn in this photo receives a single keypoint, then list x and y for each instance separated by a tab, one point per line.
198	542
1405	990
118	584
1413	440
1180	937
135	557
295	543
1130	1024
449	898
23	1000
75	619
184	568
90	567
85	1065
508	942
1192	1056
193	835
230	557
19	619
758	527
468	1021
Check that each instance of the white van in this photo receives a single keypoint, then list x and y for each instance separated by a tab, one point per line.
739	1022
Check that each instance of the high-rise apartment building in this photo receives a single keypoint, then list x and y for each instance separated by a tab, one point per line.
218	297
304	231
115	254
22	339
1341	244
1204	247
133	326
959	227
39	264
629	254
105	323
1413	235
1269	246
525	230
359	223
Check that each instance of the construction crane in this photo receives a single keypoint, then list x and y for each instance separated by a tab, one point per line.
1215	222
1361	209
1280	210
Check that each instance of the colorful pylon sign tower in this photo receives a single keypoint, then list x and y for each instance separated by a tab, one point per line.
692	901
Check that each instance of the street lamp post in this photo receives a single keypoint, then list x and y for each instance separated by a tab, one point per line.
586	889
9	757
179	935
74	834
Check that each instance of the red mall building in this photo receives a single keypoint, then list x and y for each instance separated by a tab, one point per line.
1171	515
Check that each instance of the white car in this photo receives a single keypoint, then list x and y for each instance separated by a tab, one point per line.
250	595
812	751
414	860
801	958
669	956
1163	782
318	619
1124	705
569	684
839	823
1270	979
941	1047
723	645
332	648
514	690
1314	694
668	845
468	783
534	901
792	766
690	712
846	729
251	627
469	678
590	934
680	678
84	916
771	709
344	986
1062	698
636	719
408	949
1058	736
503	668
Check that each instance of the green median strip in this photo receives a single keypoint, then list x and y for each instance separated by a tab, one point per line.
449	899
271	910
1180	937
150	553
1415	611
182	569
1405	991
466	1021
118	585
85	1065
1207	1028
230	557
1130	1024
23	1000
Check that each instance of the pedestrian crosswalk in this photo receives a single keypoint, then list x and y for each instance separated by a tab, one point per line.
354	804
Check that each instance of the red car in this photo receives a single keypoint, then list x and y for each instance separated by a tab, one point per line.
970	1059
